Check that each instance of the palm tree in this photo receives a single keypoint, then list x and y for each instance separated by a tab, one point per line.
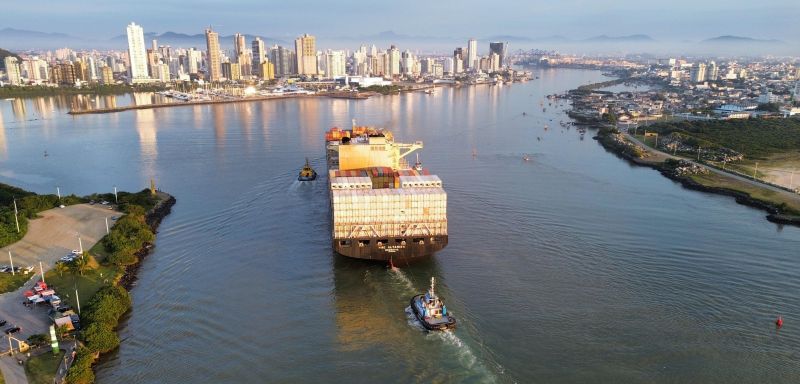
80	264
61	268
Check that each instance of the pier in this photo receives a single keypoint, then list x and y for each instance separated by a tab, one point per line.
187	103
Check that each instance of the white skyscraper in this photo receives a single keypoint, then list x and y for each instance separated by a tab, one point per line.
472	54
137	54
334	64
12	70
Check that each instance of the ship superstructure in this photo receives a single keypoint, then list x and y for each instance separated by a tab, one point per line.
381	208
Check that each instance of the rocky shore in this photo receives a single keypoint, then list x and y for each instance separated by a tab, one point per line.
681	173
153	219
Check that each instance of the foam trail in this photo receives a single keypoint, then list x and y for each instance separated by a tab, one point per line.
403	279
465	356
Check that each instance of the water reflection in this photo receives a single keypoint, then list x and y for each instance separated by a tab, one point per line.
18	108
218	115
148	141
308	113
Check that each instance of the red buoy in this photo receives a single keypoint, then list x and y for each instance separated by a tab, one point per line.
779	322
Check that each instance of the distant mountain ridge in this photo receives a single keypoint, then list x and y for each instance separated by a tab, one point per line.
184	40
741	39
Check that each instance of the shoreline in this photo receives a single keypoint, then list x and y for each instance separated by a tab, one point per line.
774	214
153	220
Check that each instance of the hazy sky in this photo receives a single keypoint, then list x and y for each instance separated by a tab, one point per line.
663	20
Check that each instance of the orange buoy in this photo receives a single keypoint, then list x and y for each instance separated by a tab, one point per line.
779	322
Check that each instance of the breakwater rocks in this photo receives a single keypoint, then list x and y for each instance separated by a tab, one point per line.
153	219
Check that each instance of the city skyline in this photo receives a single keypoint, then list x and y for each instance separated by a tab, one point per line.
573	19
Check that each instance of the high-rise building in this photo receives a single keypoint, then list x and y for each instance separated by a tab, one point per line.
259	56
305	48
472	54
213	60
500	49
35	69
458	60
494	62
81	72
712	71
193	58
267	70
284	61
334	64
393	62
106	75
12	70
231	71
698	73
163	72
137	55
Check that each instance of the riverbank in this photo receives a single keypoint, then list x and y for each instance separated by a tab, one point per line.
184	104
782	206
98	90
111	301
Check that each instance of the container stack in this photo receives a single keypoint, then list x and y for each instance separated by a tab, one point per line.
395	213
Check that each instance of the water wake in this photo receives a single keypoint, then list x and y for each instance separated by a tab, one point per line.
401	277
463	352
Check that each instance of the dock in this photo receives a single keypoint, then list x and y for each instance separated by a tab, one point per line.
187	103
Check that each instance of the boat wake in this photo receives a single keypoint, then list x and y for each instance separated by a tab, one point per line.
464	353
401	278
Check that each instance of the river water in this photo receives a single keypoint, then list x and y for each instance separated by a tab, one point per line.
572	267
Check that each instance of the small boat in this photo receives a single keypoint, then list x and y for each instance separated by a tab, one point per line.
525	157
429	91
308	173
431	311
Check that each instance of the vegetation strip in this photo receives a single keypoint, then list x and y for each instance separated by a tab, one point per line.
128	243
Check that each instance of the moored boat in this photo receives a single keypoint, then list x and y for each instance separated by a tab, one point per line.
431	311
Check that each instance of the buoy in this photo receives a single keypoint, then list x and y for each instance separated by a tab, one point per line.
779	322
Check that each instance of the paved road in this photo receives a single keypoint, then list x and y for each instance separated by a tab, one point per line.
50	237
783	192
12	372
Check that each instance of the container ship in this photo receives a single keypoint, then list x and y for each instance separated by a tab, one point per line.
382	208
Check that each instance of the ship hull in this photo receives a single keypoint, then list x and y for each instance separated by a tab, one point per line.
398	250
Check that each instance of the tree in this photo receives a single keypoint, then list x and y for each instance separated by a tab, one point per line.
80	265
61	268
100	337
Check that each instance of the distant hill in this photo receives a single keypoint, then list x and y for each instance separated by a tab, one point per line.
3	54
740	40
198	40
620	39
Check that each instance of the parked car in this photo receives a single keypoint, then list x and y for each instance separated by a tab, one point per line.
104	202
12	330
5	268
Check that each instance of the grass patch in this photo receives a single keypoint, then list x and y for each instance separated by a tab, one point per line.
42	369
87	285
755	138
763	194
9	283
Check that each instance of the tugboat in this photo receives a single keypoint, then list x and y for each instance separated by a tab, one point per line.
431	311
308	173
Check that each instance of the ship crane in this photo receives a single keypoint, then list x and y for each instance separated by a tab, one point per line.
404	150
